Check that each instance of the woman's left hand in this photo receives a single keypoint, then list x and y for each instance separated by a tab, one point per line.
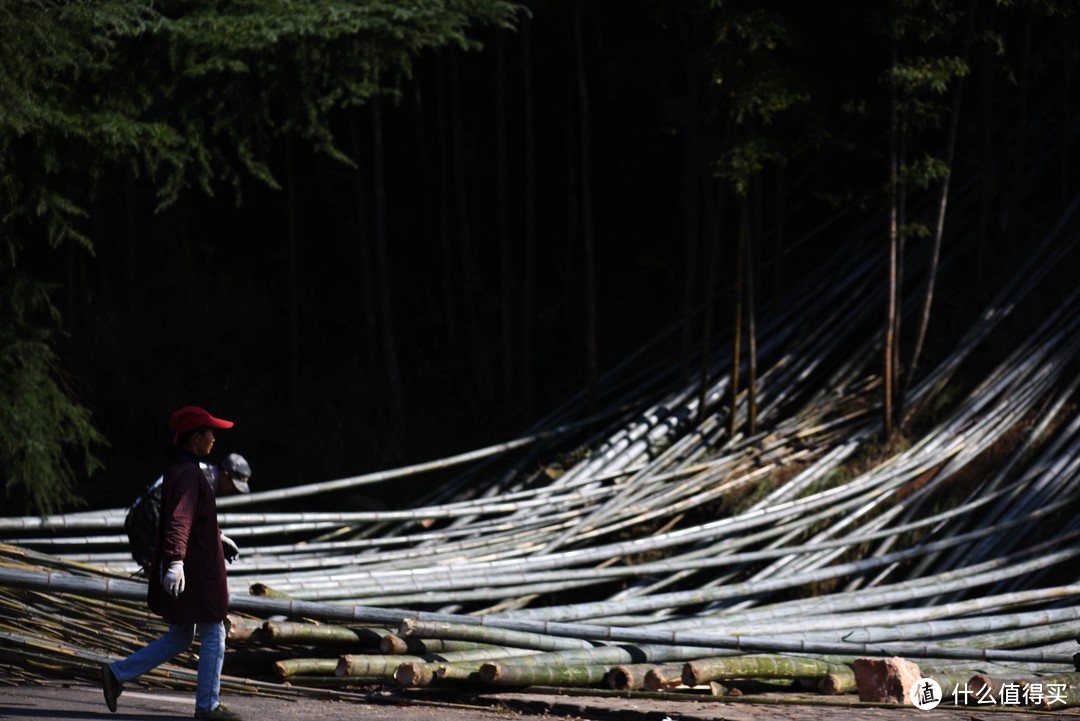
229	548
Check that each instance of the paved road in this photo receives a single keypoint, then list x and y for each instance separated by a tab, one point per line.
82	702
77	701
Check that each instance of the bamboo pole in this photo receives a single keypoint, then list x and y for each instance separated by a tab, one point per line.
837	682
702	671
416	628
1054	692
313	633
239	629
306	667
373	665
393	644
459	672
565	676
669	639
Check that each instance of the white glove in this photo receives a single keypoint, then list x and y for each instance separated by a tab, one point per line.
229	548
173	580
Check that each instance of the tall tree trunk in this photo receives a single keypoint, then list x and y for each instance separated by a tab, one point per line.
890	318
1066	108
464	250
369	337
751	324
740	298
716	220
529	281
131	231
294	280
573	195
1017	185
690	186
389	342
989	170
778	232
586	211
939	231
426	195
446	233
901	250
506	304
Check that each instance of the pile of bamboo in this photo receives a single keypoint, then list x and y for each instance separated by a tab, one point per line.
648	547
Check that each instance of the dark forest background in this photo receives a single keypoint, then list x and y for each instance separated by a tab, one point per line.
379	233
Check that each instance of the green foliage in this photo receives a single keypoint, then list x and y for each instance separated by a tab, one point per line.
754	84
183	94
191	93
44	429
745	160
933	74
923	172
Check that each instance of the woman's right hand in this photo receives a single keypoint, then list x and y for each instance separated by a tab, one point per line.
173	581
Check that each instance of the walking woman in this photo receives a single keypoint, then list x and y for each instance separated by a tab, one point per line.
187	583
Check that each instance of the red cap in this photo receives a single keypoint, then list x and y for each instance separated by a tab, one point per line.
191	417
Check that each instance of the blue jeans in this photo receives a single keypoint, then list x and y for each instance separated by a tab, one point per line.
179	637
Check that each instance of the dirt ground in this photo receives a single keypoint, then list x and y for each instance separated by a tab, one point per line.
81	701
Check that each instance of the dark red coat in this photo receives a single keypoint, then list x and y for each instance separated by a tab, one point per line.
188	531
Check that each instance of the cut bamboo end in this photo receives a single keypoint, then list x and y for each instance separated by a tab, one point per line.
837	683
393	644
626	678
414	674
492	672
663	677
306	667
238	628
982	686
264	591
690	675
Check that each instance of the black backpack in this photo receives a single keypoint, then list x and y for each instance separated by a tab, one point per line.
141	524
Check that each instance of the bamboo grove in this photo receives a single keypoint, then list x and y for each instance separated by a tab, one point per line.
418	227
648	548
813	386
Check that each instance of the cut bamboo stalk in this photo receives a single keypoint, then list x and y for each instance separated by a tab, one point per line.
415	628
379	666
314	633
393	644
837	682
489	653
306	667
1057	691
331	682
462	672
701	671
569	676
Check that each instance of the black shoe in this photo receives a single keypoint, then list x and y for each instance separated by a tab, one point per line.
220	713
111	687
